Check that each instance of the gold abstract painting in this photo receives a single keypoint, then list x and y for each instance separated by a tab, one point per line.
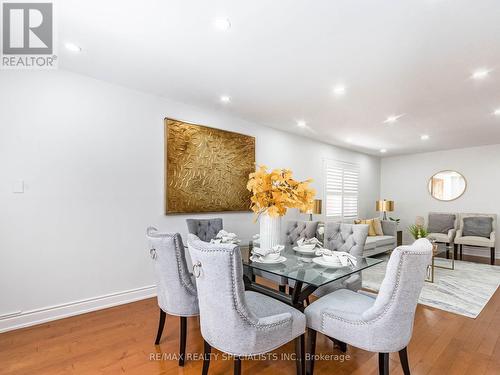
206	169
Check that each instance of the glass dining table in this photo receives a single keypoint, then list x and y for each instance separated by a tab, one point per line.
306	275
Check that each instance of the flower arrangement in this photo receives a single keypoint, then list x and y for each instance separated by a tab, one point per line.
276	191
417	231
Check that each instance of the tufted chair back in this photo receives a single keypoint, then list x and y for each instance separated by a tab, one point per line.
394	308
176	290
297	229
350	238
227	323
204	229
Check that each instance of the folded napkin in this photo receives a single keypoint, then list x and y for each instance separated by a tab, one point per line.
225	237
263	252
309	241
344	258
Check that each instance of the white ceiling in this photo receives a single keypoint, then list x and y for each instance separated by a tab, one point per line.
281	59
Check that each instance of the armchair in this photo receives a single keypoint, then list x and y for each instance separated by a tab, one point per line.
473	230
442	228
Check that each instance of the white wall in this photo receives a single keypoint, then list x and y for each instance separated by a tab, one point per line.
404	179
91	156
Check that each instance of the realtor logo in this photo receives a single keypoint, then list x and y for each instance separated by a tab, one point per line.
28	35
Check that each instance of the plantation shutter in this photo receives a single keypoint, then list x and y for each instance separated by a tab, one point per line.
342	187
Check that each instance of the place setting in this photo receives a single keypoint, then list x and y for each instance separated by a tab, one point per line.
334	259
268	256
226	237
307	246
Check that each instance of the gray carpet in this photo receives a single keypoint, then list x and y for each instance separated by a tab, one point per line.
464	290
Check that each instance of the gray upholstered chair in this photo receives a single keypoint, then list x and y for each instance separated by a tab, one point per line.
350	238
382	324
235	321
204	229
176	289
298	229
294	230
473	231
442	227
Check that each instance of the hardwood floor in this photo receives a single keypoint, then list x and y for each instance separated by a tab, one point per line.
121	340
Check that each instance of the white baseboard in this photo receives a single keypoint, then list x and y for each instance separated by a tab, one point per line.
18	320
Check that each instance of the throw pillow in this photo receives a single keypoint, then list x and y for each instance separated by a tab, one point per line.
377	225
441	223
371	229
478	226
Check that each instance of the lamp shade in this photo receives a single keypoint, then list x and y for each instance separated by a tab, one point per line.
384	206
317	207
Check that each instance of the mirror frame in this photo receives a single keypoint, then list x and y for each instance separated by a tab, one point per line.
446	200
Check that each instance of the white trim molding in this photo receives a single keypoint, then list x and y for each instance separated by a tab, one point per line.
23	319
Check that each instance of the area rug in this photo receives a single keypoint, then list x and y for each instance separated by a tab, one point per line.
464	290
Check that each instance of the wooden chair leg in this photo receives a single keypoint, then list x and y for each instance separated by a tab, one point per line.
311	350
455	251
237	366
300	354
161	324
182	341
383	363
492	261
403	357
461	250
207	349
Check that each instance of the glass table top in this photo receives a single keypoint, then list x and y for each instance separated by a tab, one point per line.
300	267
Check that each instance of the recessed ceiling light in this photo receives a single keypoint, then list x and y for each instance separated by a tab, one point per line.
392	119
497	112
222	24
424	137
383	150
301	123
349	140
225	99
339	90
73	47
481	74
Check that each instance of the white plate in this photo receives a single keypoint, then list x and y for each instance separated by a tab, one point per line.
323	263
281	259
304	251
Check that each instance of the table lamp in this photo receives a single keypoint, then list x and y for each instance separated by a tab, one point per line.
384	206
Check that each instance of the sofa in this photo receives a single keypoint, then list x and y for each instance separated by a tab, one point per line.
380	244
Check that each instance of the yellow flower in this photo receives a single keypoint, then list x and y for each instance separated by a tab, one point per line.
276	191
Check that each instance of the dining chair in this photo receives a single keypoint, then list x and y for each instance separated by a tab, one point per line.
295	230
350	238
382	324
176	288
204	229
238	322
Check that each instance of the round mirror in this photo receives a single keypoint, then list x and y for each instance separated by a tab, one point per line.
447	185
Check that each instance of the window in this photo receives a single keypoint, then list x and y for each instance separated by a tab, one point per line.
342	180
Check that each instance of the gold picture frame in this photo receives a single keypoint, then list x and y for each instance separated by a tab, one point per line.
206	169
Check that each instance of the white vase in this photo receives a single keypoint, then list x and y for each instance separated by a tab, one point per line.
270	231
